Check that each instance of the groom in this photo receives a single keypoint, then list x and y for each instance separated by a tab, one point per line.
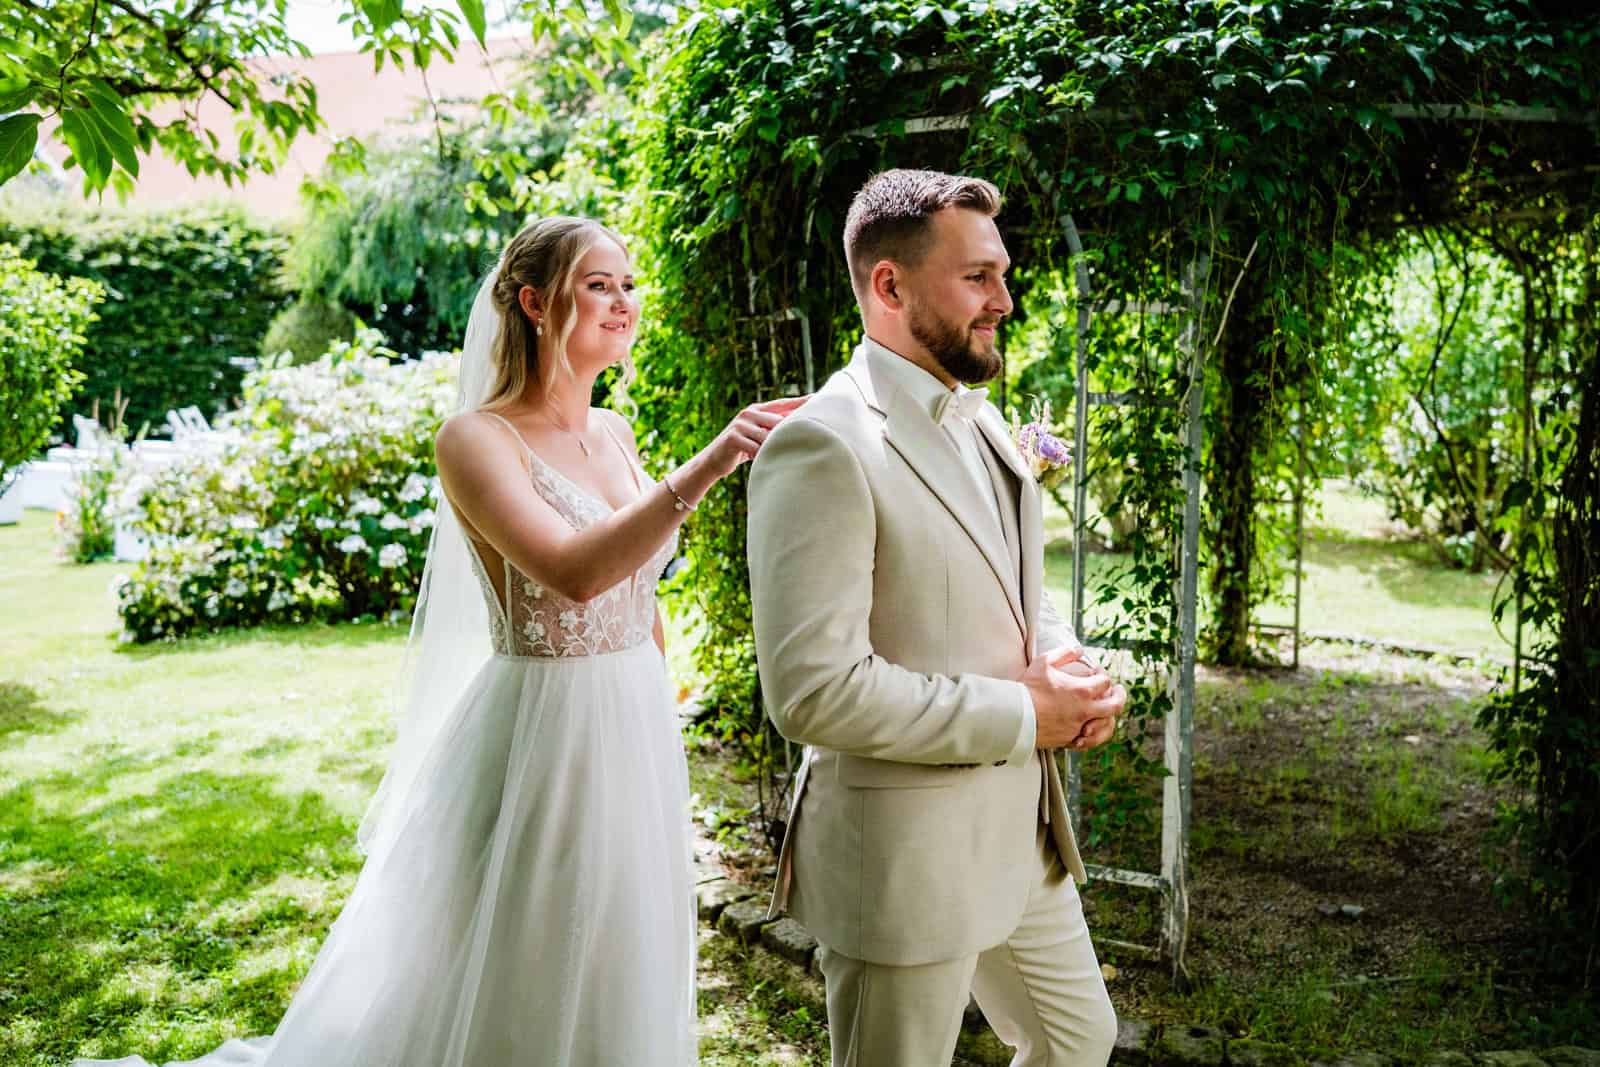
904	638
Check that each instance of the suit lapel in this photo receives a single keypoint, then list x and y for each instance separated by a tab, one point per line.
931	455
1029	519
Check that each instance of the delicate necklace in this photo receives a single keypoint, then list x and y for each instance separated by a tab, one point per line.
563	426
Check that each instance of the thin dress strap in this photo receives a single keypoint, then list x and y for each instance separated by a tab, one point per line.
514	431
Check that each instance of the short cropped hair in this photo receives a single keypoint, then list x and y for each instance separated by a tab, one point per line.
890	217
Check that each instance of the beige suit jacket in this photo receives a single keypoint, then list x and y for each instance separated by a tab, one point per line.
892	621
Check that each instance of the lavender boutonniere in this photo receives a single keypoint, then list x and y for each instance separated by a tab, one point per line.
1047	456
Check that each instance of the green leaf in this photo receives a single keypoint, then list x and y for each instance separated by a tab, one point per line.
89	149
472	11
15	93
381	13
596	82
1421	57
18	136
106	110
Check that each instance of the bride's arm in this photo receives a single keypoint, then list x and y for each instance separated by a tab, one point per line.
481	466
485	478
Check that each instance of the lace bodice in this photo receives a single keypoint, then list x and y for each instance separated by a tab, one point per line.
535	621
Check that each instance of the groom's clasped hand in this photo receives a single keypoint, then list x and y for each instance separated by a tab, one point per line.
1075	701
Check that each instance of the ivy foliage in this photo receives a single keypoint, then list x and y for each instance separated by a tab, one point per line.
1213	160
188	296
1542	726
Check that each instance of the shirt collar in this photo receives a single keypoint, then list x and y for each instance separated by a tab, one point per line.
926	391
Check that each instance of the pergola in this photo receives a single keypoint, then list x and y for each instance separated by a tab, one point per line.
1158	291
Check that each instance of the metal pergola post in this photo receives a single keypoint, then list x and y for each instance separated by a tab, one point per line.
1178	726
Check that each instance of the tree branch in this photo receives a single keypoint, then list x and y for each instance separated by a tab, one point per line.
61	76
174	37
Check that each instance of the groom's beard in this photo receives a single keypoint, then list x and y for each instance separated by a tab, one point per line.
955	348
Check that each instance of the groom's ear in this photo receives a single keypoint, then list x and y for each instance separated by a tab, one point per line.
885	284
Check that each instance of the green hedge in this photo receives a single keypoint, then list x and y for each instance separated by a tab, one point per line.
42	324
187	292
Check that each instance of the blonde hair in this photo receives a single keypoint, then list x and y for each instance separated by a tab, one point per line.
543	255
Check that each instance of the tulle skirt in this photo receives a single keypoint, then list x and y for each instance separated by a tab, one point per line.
534	909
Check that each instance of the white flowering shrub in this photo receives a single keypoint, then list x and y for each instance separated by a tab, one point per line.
320	509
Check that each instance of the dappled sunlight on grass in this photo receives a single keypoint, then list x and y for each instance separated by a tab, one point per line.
173	897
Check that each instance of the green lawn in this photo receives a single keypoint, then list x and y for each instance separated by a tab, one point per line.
177	822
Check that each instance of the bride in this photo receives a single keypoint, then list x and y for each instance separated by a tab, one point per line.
526	897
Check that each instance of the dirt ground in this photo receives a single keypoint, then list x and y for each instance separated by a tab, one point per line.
1344	848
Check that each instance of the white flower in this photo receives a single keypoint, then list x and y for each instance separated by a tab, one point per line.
365	505
235	588
391	556
532	588
422	520
243	522
321	522
354	543
120	583
277	600
416	488
272	537
568	620
533	630
391	521
212	604
351	524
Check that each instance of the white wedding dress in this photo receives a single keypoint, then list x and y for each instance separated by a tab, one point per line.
533	906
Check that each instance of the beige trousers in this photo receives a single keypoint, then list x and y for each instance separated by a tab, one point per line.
1040	989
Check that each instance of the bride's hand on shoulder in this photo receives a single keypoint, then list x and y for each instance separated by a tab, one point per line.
743	437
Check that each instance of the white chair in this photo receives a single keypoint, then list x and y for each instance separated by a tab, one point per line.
44	484
11	502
